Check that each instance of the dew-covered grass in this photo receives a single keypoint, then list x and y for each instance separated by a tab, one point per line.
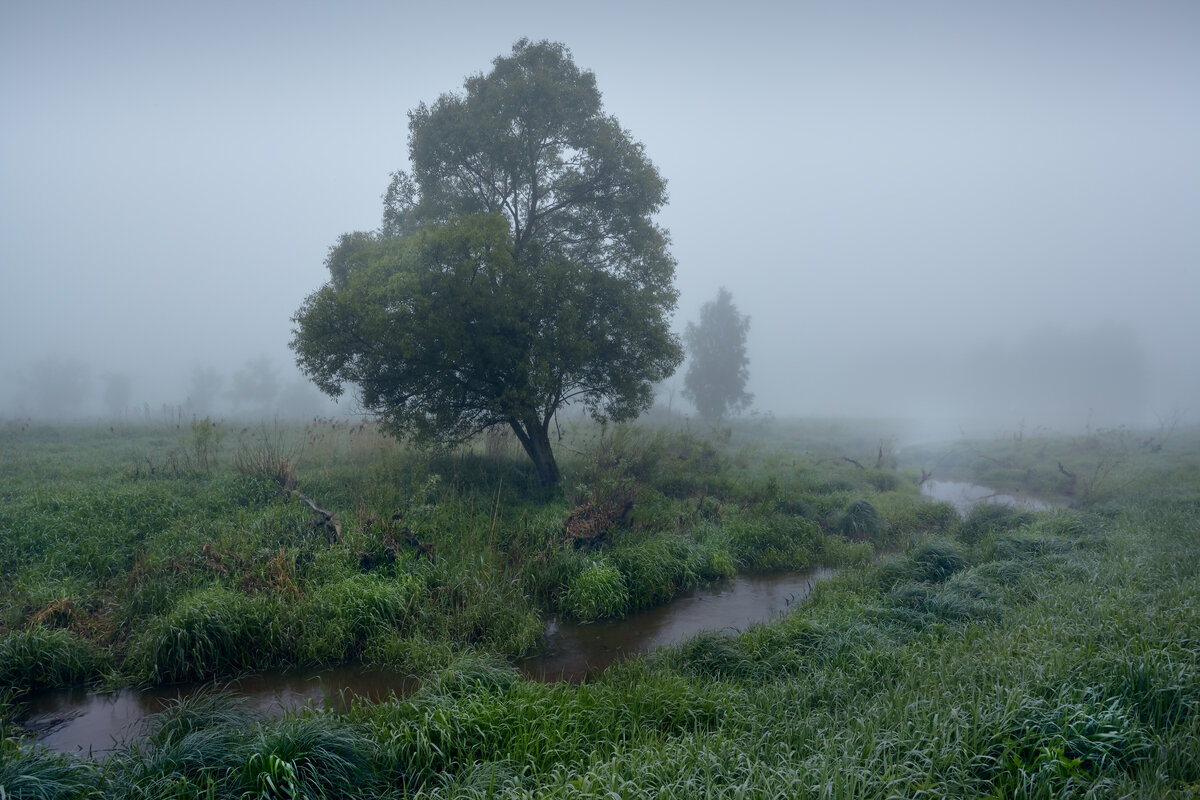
1008	655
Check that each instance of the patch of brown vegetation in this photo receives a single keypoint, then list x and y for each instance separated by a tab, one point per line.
60	613
138	574
587	523
278	577
216	561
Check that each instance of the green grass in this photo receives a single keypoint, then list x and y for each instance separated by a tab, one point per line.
182	553
1008	655
40	658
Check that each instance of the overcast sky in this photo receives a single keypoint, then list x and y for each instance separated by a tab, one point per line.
912	200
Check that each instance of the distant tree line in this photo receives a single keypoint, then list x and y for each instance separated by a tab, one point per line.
65	387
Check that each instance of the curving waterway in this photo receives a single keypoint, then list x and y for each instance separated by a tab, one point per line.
79	720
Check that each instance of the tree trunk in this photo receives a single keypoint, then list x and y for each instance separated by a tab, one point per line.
535	439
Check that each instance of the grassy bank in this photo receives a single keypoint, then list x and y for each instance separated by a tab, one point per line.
1006	655
150	555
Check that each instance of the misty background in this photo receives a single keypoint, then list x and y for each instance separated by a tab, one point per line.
940	210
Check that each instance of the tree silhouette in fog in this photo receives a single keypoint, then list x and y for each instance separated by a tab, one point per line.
715	382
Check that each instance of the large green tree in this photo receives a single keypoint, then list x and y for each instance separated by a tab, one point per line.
518	268
715	381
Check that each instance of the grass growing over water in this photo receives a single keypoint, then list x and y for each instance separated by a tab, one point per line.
1049	655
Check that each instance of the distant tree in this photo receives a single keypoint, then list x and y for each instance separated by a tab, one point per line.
204	388
517	269
715	382
255	386
55	386
118	391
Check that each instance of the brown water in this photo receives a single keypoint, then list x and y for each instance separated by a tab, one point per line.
576	650
78	720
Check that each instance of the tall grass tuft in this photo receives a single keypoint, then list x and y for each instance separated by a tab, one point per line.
210	633
191	748
988	518
339	617
773	542
41	657
35	773
861	520
938	559
658	568
200	711
931	561
313	756
596	592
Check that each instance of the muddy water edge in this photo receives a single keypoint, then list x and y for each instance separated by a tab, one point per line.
80	720
84	721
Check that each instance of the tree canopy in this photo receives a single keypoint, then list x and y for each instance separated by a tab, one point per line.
715	382
518	268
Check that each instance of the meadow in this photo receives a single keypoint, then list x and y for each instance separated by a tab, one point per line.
1004	654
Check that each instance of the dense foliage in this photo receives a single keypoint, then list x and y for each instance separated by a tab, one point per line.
518	269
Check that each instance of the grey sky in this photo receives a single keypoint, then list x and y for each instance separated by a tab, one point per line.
899	193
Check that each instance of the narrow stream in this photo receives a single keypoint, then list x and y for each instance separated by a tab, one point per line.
575	650
79	720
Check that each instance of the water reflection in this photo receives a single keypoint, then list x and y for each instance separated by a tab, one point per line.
965	496
78	720
575	650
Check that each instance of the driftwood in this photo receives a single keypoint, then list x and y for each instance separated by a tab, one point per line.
1070	488
324	518
423	548
821	461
